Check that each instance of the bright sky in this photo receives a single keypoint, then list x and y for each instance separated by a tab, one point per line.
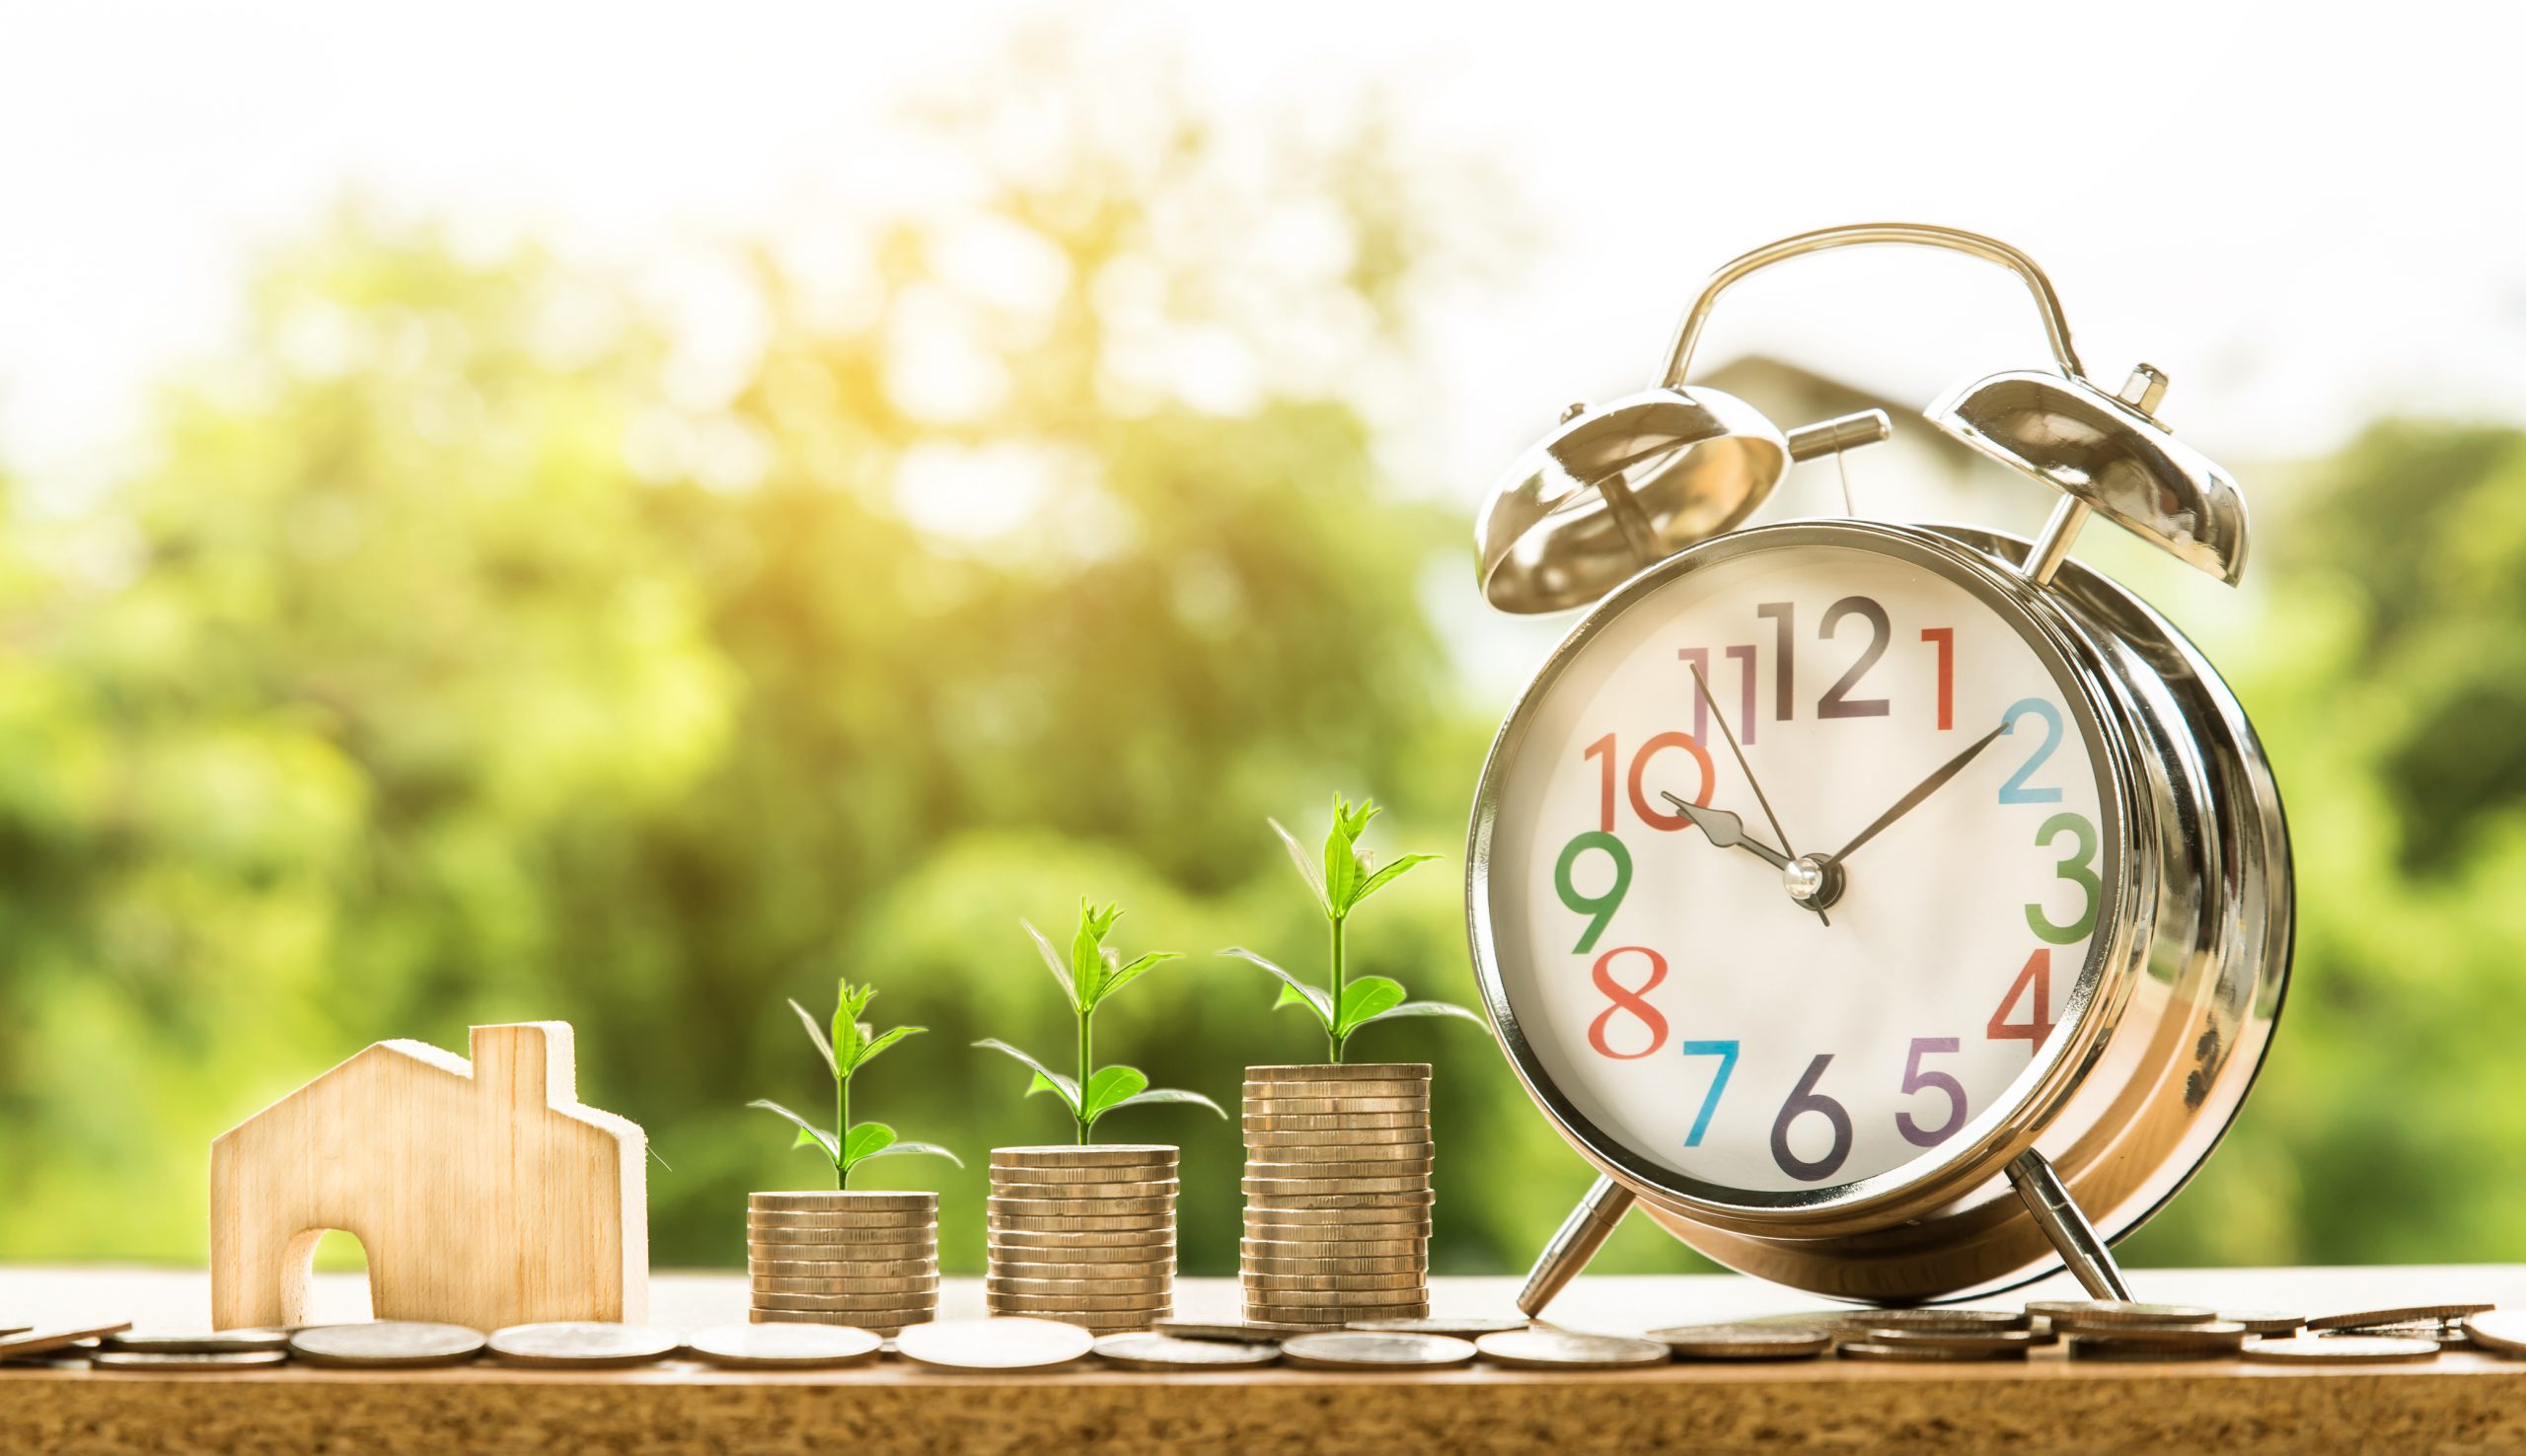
2307	215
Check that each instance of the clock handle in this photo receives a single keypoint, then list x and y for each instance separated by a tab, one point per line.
2073	1237
1573	1244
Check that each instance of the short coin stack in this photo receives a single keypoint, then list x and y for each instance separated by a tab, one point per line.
1083	1234
1337	1193
864	1259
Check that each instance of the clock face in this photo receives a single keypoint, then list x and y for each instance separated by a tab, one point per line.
1704	1020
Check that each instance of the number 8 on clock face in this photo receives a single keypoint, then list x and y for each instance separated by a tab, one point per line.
1748	932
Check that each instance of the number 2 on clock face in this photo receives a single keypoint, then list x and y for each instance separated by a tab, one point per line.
1684	1001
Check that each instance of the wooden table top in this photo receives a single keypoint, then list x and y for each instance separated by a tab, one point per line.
2464	1400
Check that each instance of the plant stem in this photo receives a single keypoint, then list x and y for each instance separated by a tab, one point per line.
840	1131
1329	1034
1086	1047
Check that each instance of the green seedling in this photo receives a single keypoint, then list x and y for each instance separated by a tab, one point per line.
852	1047
1343	1005
1089	974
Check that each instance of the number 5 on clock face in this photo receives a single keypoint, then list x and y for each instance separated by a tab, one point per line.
1691	1008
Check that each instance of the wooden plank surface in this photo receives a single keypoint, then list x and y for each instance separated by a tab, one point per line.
2462	1401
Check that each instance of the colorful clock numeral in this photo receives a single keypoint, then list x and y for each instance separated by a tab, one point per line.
1803	1100
1943	639
1599	908
1838	701
1628	1000
1605	753
2074	867
2016	791
1917	1080
2034	982
1783	616
1726	1051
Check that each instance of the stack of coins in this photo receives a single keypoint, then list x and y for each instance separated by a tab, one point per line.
1337	1193
1083	1234
864	1259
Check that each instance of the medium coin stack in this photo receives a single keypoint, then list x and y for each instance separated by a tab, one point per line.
1337	1193
1083	1234
863	1258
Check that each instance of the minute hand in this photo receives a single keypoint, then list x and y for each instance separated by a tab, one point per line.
1923	790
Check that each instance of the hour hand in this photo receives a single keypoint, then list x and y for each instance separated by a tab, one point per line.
1724	830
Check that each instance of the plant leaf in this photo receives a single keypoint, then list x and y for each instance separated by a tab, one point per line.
1087	966
1053	961
1110	1086
865	1140
1169	1094
898	1149
1045	1079
823	1139
868	1049
1427	1008
1307	864
1315	999
816	1033
1366	999
1378	881
1342	854
848	1034
1135	970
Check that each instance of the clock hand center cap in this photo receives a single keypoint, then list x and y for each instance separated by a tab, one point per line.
1814	881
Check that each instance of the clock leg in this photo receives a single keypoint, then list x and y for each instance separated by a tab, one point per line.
1576	1242
2072	1236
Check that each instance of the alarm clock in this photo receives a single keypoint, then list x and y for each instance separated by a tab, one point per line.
1897	912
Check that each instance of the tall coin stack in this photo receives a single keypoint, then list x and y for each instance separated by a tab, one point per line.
1337	1193
1083	1234
864	1259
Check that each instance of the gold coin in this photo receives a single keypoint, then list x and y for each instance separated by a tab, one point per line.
1284	1120
1944	1339
1311	1147
1565	1350
1356	1264
1278	1110
1235	1330
842	1256
210	1341
1263	1197
1412	1291
2267	1321
2101	1312
584	1344
1928	1354
882	1299
881	1321
1165	1352
1139	1236
164	1361
800	1269
1342	1071
1465	1327
1373	1142
1341	1283
1307	1308
783	1347
1117	1256
2500	1331
1084	1274
842	1203
1379	1222
1265	1096
1094	1154
1252	1248
1746	1341
871	1220
1414	1171
1082	1208
999	1284
2216	1335
1362	1349
2408	1315
1059	1304
1046	1223
764	1285
1952	1321
1084	1191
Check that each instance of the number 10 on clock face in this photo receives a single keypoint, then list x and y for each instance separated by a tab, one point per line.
1781	989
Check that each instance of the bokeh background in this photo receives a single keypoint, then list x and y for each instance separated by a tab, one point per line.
622	514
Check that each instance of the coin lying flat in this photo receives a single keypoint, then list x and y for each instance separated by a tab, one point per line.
1365	1095
1000	1283
842	1269
1330	1316
1336	1071
2108	1312
854	1305
1146	1187
2265	1320
783	1347
1567	1349
993	1344
1166	1353
2499	1331
1345	1169
1462	1326
1409	1221
2216	1335
1055	1306
2340	1350
1915	1353
1947	1338
1293	1122
849	1219
1257	1263
1952	1320
793	1246
386	1345
161	1362
1073	1155
880	1321
39	1339
1368	1349
213	1342
827	1201
1239	1330
582	1344
1746	1341
2368	1319
1316	1147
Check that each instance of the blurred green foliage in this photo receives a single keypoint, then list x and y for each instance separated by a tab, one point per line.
454	659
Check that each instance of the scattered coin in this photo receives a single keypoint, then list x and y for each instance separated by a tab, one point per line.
2216	1335
2116	1312
180	1362
39	1339
1462	1326
1746	1341
1369	1350
997	1345
783	1347
2340	1350
1166	1353
1248	1331
1963	1321
386	1345
826	1202
2418	1330
214	1342
1949	1339
2265	1320
1543	1348
2368	1319
1927	1354
582	1344
2499	1331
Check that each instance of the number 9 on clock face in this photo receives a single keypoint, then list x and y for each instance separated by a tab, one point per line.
1735	996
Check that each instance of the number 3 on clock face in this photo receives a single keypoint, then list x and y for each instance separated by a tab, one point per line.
1690	1012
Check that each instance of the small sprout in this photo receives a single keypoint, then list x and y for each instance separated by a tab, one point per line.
850	1046
1089	974
1346	877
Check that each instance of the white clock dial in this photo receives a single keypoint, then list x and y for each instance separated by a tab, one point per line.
1676	993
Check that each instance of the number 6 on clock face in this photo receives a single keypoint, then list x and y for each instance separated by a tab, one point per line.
1691	1012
